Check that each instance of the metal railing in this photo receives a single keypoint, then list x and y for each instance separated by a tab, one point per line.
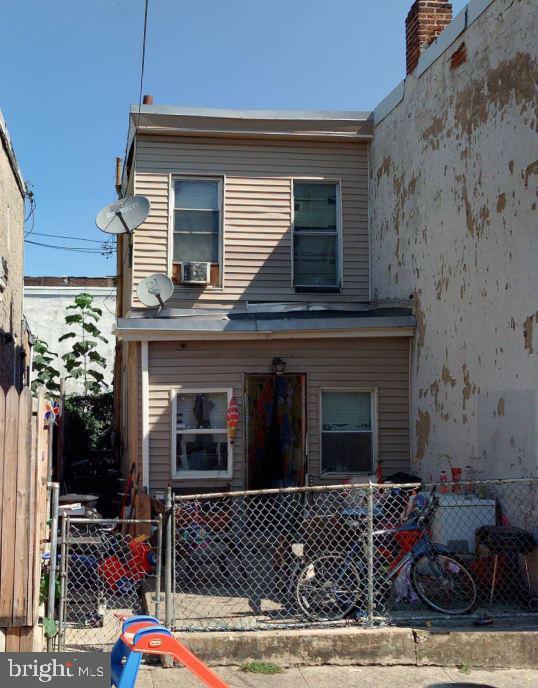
103	568
297	557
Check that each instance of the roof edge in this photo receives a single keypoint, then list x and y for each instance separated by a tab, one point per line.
6	140
281	115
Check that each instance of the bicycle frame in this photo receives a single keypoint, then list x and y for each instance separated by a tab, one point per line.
423	546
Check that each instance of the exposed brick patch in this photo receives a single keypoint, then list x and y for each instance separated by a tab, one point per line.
425	21
458	57
46	281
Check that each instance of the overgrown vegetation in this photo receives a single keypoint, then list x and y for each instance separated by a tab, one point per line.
88	424
258	667
47	376
83	361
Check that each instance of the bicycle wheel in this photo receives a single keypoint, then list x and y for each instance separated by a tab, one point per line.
444	584
327	588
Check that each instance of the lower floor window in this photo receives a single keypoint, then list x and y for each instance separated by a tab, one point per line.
347	439
205	452
200	443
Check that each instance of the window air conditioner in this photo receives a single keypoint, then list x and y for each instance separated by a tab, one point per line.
195	273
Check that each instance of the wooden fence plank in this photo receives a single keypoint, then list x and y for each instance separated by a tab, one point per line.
22	513
34	494
2	458
9	498
31	639
13	639
40	515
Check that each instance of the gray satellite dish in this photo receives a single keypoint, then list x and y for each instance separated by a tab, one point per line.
155	289
123	216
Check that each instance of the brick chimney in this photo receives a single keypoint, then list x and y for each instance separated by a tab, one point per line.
425	21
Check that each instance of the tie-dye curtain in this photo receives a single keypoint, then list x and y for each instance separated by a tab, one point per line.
275	431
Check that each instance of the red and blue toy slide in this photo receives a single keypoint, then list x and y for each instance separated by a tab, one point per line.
143	635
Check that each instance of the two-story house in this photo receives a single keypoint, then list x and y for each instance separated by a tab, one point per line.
280	326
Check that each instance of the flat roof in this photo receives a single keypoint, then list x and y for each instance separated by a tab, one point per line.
367	323
185	111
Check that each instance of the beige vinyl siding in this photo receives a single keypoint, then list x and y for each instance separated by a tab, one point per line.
381	363
257	212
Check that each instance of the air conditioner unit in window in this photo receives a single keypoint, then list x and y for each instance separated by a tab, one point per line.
195	273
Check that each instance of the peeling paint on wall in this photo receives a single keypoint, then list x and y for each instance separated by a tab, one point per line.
447	378
453	224
510	79
423	433
528	332
530	169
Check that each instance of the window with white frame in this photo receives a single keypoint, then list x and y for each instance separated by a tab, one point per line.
197	222
347	431
200	442
316	229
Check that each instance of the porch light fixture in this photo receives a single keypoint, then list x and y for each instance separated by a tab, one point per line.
278	366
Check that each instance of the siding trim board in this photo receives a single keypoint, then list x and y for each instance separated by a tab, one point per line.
144	369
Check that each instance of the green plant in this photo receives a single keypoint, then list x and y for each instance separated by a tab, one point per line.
47	375
88	425
82	361
258	667
465	668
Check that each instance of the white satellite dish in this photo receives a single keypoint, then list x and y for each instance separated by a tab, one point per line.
123	216
155	290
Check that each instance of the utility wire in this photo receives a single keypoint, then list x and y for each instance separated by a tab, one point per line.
93	251
127	248
65	236
143	57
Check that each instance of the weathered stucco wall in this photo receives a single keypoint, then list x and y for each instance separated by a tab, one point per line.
453	223
11	251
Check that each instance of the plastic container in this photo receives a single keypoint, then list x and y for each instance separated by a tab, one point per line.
443	479
456	478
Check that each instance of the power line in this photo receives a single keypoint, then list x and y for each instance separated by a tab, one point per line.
92	251
65	236
143	57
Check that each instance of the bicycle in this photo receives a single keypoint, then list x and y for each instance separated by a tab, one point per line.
328	587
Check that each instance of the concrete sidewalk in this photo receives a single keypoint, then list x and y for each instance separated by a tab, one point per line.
347	677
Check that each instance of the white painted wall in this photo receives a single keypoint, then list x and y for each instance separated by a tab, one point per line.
454	223
44	308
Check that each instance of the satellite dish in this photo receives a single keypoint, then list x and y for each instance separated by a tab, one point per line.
155	289
123	216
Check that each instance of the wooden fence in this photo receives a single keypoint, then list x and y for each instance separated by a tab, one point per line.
24	459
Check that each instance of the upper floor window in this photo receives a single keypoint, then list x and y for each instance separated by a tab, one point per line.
197	222
316	229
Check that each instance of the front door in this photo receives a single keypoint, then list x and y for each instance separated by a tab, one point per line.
276	430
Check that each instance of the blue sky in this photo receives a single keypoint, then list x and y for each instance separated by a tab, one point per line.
71	68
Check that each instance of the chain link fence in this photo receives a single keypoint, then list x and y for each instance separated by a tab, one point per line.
293	558
103	568
353	554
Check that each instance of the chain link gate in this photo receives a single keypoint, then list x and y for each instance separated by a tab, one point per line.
366	554
104	574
